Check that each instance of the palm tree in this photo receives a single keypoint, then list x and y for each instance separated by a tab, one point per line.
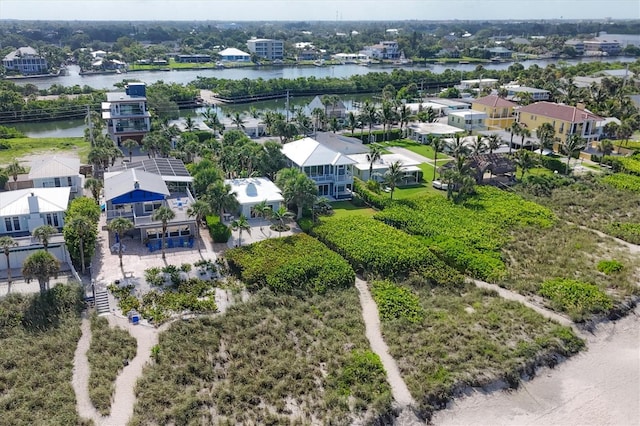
387	115
393	176
238	121
95	186
438	145
545	133
457	146
130	145
352	122
493	142
6	243
199	210
574	143
404	115
82	227
262	210
189	124
514	129
375	154
13	170
319	117
220	198
119	226
524	133
241	224
43	233
279	216
370	113
41	265
478	146
300	190
524	160
321	206
163	214
605	146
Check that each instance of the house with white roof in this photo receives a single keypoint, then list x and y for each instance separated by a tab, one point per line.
330	170
252	191
25	60
412	174
127	114
22	211
337	110
468	119
57	172
231	54
135	191
420	132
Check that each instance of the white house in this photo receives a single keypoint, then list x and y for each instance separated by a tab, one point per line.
24	210
252	191
468	119
412	173
420	132
231	54
25	60
337	110
330	170
56	172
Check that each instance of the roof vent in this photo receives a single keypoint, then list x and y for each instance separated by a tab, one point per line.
136	185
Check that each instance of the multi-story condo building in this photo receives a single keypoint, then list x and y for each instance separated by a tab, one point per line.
127	114
384	50
25	60
566	120
266	48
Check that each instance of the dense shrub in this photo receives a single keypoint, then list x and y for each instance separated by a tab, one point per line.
396	302
379	136
609	267
468	236
552	163
110	350
220	233
305	224
368	196
9	133
362	368
372	246
297	262
4	178
578	299
630	164
623	181
543	185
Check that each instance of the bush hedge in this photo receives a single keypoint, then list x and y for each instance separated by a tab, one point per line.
577	298
220	233
297	262
370	197
396	302
609	267
379	135
623	181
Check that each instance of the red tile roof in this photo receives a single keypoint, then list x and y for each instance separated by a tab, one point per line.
495	101
560	112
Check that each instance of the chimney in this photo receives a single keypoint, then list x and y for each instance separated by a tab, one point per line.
34	208
580	106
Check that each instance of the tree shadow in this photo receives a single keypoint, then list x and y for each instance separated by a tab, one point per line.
46	310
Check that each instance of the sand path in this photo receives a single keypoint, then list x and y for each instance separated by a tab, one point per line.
600	386
81	370
374	335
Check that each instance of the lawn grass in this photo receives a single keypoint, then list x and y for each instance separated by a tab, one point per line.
109	350
466	336
21	147
347	208
276	359
413	146
38	337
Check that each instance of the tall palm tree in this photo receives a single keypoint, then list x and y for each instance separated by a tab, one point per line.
370	113
352	122
318	116
478	146
199	210
43	233
375	154
163	214
514	129
6	243
438	145
95	186
82	227
404	116
301	191
241	224
524	133
605	146
574	143
41	265
238	121
387	115
130	145
280	216
545	133
493	142
119	226
189	124
221	198
262	210
458	147
13	170
524	160
393	176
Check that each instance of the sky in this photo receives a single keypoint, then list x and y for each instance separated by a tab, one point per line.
316	10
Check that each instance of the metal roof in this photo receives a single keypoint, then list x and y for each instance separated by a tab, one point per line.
132	180
55	166
171	169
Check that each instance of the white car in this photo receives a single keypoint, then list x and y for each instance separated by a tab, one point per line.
437	184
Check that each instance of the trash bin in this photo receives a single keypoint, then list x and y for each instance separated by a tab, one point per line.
135	319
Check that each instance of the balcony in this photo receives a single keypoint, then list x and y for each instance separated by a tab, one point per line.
332	178
178	202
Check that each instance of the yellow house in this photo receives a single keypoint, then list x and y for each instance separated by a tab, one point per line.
500	112
565	119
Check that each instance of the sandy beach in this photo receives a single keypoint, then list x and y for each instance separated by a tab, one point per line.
600	386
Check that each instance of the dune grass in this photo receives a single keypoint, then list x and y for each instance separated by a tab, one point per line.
38	337
110	349
276	359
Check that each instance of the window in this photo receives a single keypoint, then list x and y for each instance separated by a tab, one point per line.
56	182
12	224
68	180
52	219
150	207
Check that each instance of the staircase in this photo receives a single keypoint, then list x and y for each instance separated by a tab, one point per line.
102	302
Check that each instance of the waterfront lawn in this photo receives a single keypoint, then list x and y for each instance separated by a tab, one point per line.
38	337
21	147
418	148
275	359
465	336
347	208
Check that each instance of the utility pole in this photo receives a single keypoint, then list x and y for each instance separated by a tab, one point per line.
90	122
286	106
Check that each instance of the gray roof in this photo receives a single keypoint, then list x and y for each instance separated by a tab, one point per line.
341	143
55	166
122	96
20	52
131	180
171	169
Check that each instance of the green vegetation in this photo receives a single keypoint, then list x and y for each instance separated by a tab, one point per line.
413	146
347	208
625	231
609	267
395	302
276	359
288	264
38	337
20	147
577	298
469	337
623	181
468	236
220	233
110	350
